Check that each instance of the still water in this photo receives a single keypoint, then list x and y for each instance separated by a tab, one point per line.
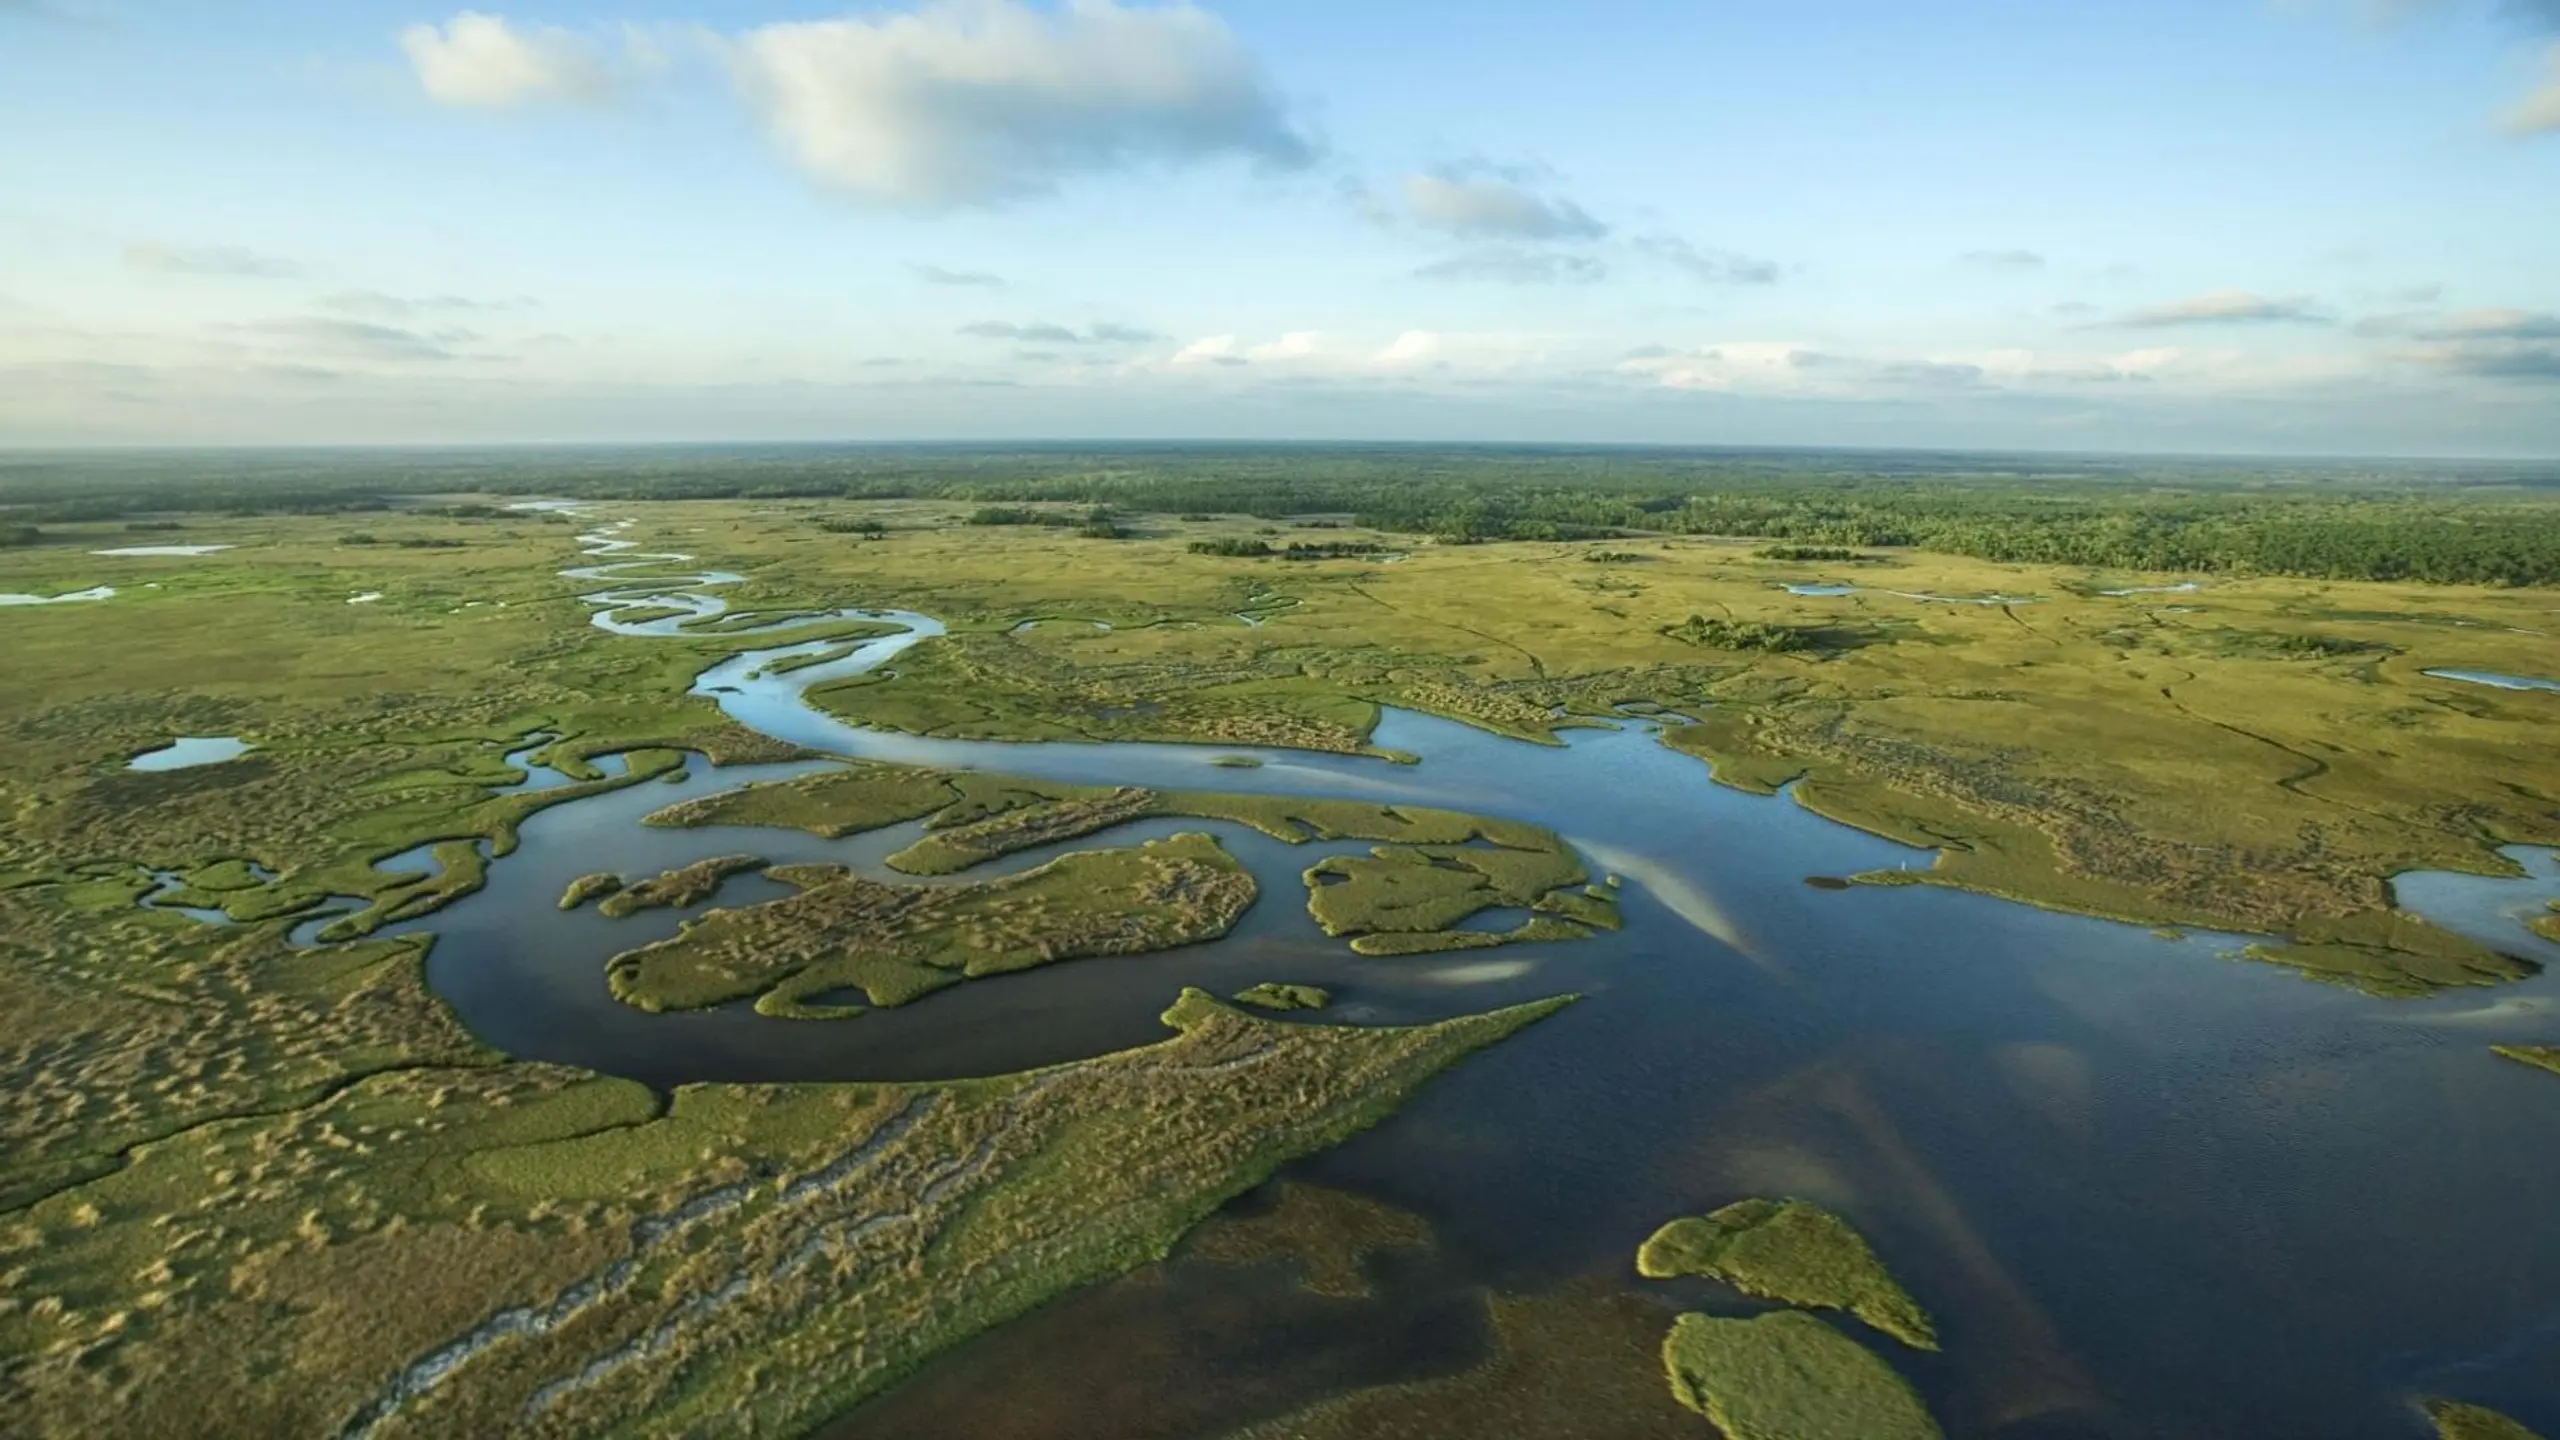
2147	1189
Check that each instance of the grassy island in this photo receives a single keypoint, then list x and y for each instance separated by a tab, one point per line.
898	943
1272	995
1788	1376
675	889
1791	1252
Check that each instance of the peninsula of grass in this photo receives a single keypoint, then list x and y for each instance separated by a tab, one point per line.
588	887
2548	925
1327	1235
1273	995
575	1254
1792	1252
898	943
674	889
1788	1376
2455	1420
2541	1057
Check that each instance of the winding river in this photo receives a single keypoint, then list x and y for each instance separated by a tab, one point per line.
2148	1191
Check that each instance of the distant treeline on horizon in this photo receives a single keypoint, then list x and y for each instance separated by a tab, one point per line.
2474	522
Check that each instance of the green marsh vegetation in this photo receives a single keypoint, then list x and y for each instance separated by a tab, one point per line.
1403	898
674	889
880	1224
588	887
898	943
1792	1252
2541	1057
2455	1420
1788	1376
1279	995
221	1138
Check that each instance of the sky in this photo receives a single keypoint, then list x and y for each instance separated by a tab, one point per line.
2326	227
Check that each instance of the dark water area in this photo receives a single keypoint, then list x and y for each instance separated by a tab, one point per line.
2148	1189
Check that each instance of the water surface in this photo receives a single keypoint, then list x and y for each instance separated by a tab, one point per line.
189	751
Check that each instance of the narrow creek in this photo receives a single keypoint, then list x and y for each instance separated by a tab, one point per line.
2147	1190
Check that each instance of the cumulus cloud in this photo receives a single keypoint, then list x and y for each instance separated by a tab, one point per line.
2539	112
484	62
1715	267
1492	206
966	102
1045	333
2228	307
225	261
2010	260
966	279
1516	265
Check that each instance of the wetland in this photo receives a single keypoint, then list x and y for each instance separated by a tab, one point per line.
593	959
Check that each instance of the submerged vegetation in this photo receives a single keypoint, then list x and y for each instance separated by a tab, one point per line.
1326	1235
1792	1252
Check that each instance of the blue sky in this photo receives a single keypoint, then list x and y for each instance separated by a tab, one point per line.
2307	226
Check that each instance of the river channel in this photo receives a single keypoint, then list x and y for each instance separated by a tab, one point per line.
2148	1189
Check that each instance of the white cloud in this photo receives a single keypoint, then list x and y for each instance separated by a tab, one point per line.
2539	112
1493	208
1208	350
967	102
1296	345
483	62
226	261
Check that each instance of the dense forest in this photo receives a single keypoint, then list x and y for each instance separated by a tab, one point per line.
2452	522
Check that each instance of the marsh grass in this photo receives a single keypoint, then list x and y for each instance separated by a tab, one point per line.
2541	1057
2455	1420
1276	995
1792	1252
1788	1376
677	889
898	943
